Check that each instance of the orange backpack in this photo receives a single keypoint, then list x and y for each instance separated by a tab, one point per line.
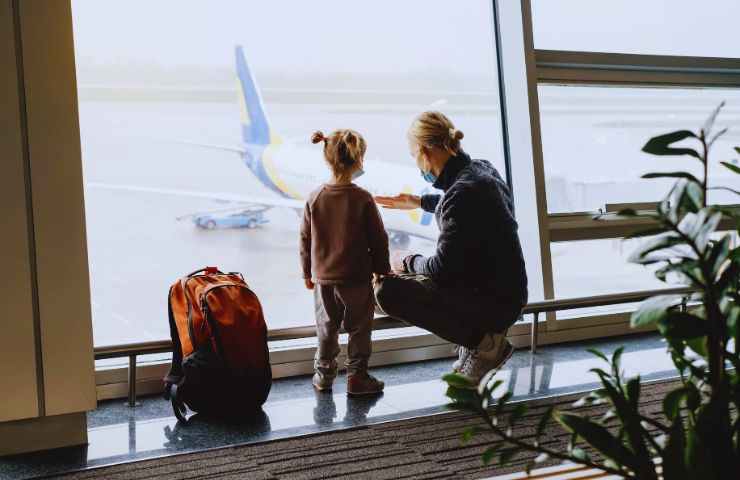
220	360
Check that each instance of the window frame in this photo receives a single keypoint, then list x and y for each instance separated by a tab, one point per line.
561	67
519	61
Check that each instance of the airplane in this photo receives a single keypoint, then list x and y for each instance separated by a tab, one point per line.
291	171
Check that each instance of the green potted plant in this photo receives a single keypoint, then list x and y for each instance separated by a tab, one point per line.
698	434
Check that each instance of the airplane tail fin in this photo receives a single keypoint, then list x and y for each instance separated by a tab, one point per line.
255	127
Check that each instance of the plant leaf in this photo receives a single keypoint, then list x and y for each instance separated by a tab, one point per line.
661	242
598	354
517	413
506	455
727	189
616	357
699	345
633	391
546	417
682	326
598	437
469	433
660	145
501	402
653	310
731	166
709	123
489	453
675	450
579	454
719	254
716	136
458	381
463	396
672	402
685	175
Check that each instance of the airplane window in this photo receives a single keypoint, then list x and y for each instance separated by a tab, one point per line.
592	139
658	27
195	122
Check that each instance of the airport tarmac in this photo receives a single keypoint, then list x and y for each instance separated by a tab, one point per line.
137	246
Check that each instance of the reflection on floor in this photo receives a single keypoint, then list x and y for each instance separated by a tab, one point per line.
118	433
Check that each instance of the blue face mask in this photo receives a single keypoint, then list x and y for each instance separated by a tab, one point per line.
358	173
428	177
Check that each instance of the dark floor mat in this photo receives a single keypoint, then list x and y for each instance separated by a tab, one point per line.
420	448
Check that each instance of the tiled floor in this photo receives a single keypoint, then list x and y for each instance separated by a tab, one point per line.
118	433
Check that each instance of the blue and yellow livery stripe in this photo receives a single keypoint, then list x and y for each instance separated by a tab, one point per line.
256	133
418	216
273	176
255	127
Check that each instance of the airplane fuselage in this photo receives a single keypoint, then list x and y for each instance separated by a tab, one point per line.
294	172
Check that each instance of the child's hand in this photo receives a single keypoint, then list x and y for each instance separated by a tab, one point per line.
309	283
397	257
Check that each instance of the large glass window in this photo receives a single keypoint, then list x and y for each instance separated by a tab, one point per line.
598	267
659	27
592	138
195	122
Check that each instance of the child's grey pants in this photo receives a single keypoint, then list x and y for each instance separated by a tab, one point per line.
353	307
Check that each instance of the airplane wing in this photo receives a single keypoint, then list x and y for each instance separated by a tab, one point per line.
212	146
217	196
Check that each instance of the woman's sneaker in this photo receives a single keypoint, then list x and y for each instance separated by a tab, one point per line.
363	384
491	354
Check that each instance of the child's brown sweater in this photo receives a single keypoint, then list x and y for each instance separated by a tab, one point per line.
342	236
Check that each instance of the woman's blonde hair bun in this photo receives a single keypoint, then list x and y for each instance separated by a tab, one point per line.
434	129
317	136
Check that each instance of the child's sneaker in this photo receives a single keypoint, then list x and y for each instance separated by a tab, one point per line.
364	384
322	383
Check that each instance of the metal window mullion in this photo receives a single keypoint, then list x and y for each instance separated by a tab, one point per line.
630	69
587	76
530	54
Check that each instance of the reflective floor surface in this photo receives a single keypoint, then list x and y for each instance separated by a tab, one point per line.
118	433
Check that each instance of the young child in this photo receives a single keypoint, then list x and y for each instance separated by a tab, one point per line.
343	243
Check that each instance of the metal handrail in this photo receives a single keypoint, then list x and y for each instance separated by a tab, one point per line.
133	350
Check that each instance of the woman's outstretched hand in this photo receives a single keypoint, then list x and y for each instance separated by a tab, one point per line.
402	201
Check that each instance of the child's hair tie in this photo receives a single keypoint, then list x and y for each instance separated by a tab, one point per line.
318	136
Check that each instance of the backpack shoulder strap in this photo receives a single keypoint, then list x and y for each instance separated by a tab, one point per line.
175	374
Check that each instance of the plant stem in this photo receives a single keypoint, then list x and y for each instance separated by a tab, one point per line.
705	162
551	453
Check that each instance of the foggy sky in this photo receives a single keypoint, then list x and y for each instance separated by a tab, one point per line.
385	35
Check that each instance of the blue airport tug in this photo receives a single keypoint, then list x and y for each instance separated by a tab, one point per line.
248	218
